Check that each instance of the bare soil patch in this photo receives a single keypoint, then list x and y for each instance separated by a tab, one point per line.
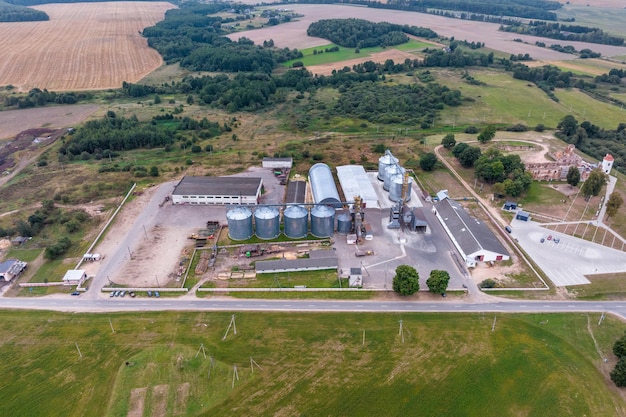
83	46
379	57
137	402
27	140
13	122
159	400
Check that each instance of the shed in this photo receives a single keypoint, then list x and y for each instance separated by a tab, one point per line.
20	240
522	215
277	163
217	190
11	268
472	238
74	277
510	205
355	182
356	277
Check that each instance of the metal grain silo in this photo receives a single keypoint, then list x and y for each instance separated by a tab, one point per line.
322	221
390	171
239	223
296	220
395	189
267	222
383	162
323	186
344	223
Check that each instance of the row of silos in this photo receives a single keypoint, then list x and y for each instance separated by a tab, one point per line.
267	222
393	176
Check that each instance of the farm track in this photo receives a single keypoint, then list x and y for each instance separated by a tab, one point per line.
83	46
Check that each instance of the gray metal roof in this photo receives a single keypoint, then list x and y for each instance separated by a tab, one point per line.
322	253
306	264
270	159
7	265
228	186
355	182
471	234
296	191
323	185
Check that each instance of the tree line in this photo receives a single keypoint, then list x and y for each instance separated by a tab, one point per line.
359	33
37	98
563	32
13	13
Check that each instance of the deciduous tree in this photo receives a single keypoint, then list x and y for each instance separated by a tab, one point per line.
438	281
615	202
448	141
406	280
573	176
594	183
487	134
428	161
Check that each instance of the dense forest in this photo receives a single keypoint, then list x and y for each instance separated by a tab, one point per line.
13	13
359	33
564	32
530	9
190	36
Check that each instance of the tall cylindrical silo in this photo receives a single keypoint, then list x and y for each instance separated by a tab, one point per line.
322	221
323	185
395	189
383	162
390	171
239	223
296	220
344	223
267	222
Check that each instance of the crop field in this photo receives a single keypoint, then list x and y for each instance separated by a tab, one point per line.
608	18
161	364
83	46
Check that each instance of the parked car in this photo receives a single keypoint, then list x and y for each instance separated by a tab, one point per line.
149	293
123	293
112	294
156	294
549	237
117	293
557	240
75	293
508	229
132	294
542	240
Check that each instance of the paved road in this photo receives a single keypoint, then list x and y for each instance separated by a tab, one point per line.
77	304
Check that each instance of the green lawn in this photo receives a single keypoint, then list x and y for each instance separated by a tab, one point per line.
312	279
602	287
311	58
608	19
306	364
25	255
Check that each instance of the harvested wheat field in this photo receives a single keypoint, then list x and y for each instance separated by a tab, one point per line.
84	46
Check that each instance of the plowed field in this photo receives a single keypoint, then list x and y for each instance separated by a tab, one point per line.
83	46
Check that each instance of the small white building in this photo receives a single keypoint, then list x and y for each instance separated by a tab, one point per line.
218	190
74	277
356	277
607	163
277	163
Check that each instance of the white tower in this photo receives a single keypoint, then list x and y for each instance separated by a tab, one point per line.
607	163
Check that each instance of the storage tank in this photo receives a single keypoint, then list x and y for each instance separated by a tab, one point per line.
395	190
323	186
322	221
267	222
383	162
296	220
239	223
390	171
344	223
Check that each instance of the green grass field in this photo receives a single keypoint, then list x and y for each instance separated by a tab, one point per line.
314	365
610	20
343	54
505	100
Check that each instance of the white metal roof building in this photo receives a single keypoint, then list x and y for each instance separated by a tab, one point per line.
470	236
74	277
217	190
355	182
277	162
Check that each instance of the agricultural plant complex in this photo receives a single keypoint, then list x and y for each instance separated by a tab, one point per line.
441	183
